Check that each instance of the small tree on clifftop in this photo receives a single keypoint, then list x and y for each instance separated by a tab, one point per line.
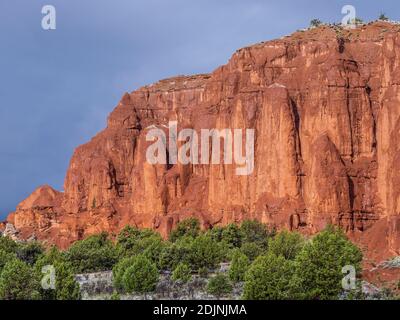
383	17
315	23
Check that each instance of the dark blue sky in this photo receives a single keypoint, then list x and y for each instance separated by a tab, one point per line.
57	87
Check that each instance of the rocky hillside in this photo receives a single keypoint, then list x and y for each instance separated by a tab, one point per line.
325	107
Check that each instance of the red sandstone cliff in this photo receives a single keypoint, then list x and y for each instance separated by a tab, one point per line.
325	106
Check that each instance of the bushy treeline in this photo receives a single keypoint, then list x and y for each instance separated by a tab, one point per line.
21	274
271	265
315	23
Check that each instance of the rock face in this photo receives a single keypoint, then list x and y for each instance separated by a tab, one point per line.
325	108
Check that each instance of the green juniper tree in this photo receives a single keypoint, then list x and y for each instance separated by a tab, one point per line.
383	17
251	250
315	23
268	278
219	285
17	282
182	273
141	276
287	244
318	266
239	265
6	257
256	232
29	252
65	286
189	227
232	236
205	252
95	253
119	271
132	241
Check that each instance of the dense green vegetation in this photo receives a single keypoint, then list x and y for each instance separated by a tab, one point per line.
269	277
17	283
269	265
318	266
239	265
21	272
96	253
286	244
187	228
219	285
182	273
141	276
295	269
